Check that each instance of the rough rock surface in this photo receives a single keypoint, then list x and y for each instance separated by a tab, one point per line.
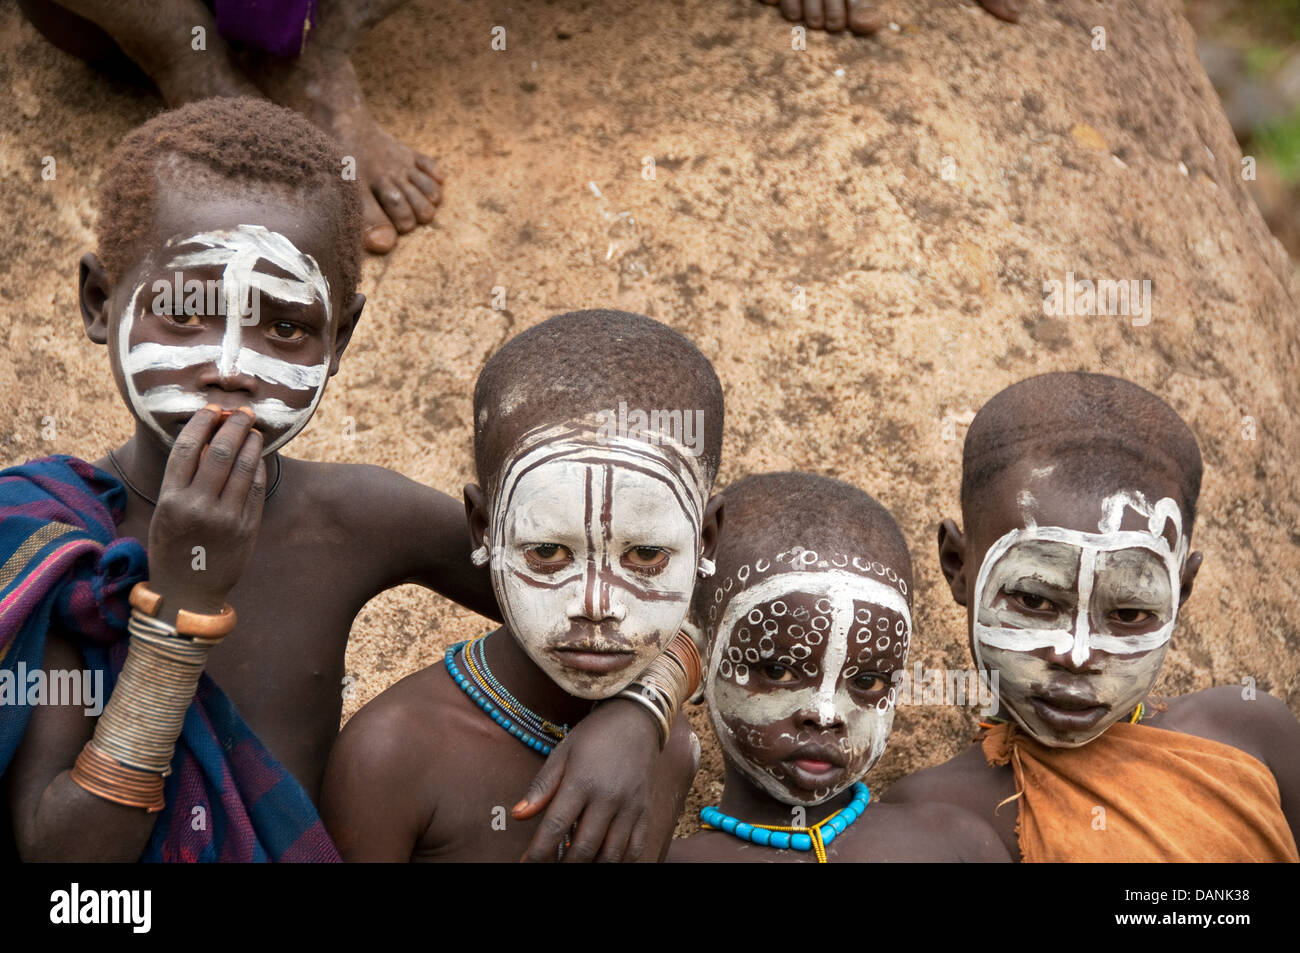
919	188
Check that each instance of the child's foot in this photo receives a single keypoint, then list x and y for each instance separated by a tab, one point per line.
1008	10
857	16
157	38
860	16
400	187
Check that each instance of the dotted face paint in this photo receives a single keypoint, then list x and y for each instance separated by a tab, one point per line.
151	370
595	545
802	651
1105	601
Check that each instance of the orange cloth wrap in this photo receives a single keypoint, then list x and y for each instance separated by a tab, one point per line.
1168	796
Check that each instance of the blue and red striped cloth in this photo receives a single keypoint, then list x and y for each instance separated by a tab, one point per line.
62	563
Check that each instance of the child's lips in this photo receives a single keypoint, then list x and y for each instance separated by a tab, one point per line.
815	766
1068	714
599	662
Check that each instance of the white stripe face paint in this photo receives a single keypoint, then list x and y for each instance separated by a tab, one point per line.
595	542
800	666
238	251
1106	602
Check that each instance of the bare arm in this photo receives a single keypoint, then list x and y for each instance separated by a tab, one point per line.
677	768
419	535
214	500
53	818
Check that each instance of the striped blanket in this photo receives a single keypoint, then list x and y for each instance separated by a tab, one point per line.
61	563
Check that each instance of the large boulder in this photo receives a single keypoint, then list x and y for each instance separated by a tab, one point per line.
857	233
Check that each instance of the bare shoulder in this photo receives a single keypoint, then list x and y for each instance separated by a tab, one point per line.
381	792
958	780
963	835
396	735
1243	716
351	491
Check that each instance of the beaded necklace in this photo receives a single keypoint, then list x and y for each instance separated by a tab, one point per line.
792	838
514	718
476	661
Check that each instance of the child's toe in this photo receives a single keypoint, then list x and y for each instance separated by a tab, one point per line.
395	205
864	19
427	185
429	167
1008	10
420	205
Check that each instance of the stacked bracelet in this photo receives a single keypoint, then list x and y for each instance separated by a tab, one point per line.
667	683
135	737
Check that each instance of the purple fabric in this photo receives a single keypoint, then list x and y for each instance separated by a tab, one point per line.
278	27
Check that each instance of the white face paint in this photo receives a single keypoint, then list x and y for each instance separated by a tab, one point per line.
595	545
239	251
800	670
1105	603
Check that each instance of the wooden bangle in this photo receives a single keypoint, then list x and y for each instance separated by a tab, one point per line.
145	599
196	624
205	626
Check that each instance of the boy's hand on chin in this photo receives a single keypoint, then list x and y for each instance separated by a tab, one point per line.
598	777
211	497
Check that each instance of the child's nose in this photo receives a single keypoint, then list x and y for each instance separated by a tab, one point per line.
599	599
230	379
820	714
1077	657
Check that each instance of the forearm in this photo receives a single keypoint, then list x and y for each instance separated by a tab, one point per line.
104	806
71	824
438	556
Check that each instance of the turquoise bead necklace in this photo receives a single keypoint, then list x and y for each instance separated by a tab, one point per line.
814	838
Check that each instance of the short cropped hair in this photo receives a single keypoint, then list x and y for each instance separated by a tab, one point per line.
583	363
1102	432
770	513
239	139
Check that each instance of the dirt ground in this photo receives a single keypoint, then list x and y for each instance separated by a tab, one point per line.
912	192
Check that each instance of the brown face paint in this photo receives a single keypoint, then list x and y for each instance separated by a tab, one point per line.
799	683
593	618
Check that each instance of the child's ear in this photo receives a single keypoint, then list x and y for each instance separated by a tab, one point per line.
93	291
348	319
952	560
711	527
1190	569
477	514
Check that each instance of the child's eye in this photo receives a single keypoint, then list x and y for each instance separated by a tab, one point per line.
181	319
1031	601
1131	616
775	672
547	557
871	682
286	331
645	558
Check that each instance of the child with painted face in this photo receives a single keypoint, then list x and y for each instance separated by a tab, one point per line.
807	625
1078	496
225	292
596	520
